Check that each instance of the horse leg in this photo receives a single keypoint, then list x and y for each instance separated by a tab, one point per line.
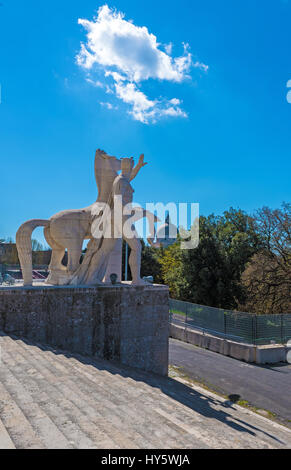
58	252
74	255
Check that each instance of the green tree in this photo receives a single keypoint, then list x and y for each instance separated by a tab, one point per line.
172	271
36	245
150	265
267	277
211	274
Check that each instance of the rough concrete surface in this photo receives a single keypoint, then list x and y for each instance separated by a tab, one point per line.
125	323
267	354
51	399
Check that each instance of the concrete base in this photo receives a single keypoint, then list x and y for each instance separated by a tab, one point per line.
270	354
123	323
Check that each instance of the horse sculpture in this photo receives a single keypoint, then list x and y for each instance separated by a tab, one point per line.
68	229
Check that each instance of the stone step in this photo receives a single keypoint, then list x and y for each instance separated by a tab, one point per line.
32	400
122	396
17	425
156	422
138	416
5	440
52	399
167	404
97	391
66	417
142	407
68	387
44	427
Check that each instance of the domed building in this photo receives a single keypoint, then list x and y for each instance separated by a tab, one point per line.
164	237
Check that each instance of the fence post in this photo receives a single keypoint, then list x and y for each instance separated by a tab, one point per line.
224	323
282	330
254	329
186	316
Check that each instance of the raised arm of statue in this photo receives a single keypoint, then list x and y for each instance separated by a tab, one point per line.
138	167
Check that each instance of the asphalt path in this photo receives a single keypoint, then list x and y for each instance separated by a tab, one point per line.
265	387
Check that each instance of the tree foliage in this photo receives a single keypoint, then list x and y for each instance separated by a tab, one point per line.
210	274
150	265
267	278
242	262
36	245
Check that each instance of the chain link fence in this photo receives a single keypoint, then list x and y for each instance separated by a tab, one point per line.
237	326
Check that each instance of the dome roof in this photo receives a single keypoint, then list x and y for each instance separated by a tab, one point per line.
167	233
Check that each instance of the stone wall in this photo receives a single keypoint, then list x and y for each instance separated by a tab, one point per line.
9	255
123	323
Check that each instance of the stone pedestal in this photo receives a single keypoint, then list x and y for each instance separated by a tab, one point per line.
115	262
123	323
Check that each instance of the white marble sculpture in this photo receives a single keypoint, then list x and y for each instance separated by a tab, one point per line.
68	229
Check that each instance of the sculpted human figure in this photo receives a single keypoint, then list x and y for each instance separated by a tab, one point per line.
116	225
123	226
68	229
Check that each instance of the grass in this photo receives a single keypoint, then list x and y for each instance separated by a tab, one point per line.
177	312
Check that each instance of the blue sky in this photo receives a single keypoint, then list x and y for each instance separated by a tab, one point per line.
227	142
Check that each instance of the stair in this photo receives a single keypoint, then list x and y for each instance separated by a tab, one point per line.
53	399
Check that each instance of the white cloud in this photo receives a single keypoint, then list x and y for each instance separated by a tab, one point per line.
175	101
145	110
201	66
128	55
169	48
95	83
130	94
107	105
116	76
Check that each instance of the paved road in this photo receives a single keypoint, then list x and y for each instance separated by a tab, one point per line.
266	387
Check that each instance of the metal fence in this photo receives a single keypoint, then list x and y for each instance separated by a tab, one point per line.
238	326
